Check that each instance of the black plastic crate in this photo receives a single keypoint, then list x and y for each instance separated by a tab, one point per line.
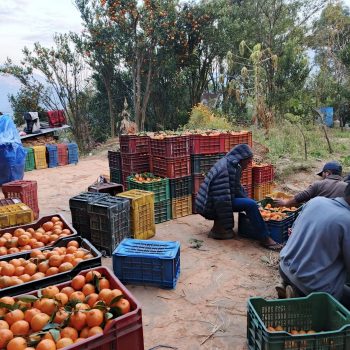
180	187
162	211
59	277
201	164
115	175
109	222
114	160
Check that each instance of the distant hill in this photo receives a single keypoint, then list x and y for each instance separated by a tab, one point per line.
8	85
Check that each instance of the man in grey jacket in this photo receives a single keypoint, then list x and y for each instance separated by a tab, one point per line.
316	257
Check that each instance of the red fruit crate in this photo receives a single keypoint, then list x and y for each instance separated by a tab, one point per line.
170	147
136	163
205	144
197	179
171	168
62	151
232	139
124	332
131	144
263	173
26	191
247	175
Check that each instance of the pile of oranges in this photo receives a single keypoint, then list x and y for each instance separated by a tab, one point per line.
59	317
42	264
22	240
275	213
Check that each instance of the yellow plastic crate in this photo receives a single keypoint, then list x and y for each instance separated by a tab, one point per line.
15	214
262	190
40	157
181	206
141	213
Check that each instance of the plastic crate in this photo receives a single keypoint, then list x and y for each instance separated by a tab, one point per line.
15	214
171	168
194	204
62	151
109	222
115	175
181	207
52	154
131	144
180	187
262	190
78	206
141	213
30	162
279	229
201	144
155	263
73	153
171	147
162	211
262	173
40	157
26	191
201	164
319	312
197	181
247	176
160	188
136	163
231	139
249	190
114	160
107	187
59	277
9	201
124	332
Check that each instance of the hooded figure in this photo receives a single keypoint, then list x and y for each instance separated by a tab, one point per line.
221	194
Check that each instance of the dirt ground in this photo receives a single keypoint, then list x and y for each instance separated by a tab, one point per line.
207	310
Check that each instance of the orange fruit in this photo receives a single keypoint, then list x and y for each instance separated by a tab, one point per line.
4	325
66	266
79	254
45	239
18	232
69	332
53	237
67	232
37	276
29	348
71	250
84	333
77	296
20	328
37	235
63	342
95	330
13	250
30	268
55	260
5	336
77	261
19	271
50	291
5	281
3	250
78	320
32	241
38	245
68	258
114	293
48	335
7	300
123	305
78	282
25	277
61	315
8	270
26	247
48	226
104	294
15	262
91	299
30	313
88	256
78	340
73	244
82	306
88	289
7	235
52	271
39	321
59	222
2	241
104	283
43	266
55	219
48	306
13	316
67	290
12	243
62	298
46	344
17	343
94	317
23	240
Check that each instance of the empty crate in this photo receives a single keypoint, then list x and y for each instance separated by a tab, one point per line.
40	157
162	211
73	153
62	154
30	161
181	207
52	155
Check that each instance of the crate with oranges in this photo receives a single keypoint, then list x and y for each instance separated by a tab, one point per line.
92	311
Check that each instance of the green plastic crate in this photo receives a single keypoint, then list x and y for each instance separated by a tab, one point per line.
115	175
162	211
319	312
30	162
161	188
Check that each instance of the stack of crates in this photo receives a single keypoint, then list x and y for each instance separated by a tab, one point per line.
141	213
62	150
135	155
171	159
40	157
161	190
26	191
30	162
73	153
263	176
15	214
109	222
115	166
52	155
79	211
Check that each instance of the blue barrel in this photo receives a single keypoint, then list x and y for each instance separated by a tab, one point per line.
328	115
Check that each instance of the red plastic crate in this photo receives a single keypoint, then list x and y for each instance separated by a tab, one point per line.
136	163
263	174
197	179
26	191
176	146
130	144
124	332
247	175
56	118
201	144
171	168
62	151
233	139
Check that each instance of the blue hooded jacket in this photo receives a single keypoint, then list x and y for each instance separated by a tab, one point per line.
221	186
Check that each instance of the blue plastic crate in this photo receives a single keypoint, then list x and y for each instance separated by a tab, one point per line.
73	153
143	262
279	229
52	156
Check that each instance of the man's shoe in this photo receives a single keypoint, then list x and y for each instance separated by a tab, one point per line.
221	235
291	293
281	291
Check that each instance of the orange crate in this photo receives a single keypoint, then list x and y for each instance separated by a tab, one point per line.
40	157
262	190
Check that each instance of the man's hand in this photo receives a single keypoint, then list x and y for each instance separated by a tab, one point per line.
279	203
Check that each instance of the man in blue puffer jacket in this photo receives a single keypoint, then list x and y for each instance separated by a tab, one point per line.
221	194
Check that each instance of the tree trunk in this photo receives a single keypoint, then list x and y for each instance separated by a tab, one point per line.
146	95
110	105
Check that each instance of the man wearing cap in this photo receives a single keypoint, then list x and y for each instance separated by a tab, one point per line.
331	186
